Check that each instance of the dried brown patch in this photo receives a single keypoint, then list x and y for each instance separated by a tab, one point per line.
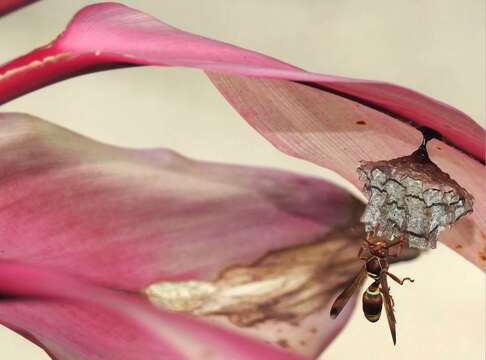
360	122
307	277
283	343
458	246
286	285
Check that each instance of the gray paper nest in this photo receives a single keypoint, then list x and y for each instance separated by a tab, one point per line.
412	198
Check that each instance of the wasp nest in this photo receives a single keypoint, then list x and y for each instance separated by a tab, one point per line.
411	197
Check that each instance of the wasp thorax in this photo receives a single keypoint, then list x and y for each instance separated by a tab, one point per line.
412	198
373	267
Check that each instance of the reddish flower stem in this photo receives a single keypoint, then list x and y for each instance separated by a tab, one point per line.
47	65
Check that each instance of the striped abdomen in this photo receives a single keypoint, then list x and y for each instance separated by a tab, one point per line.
372	302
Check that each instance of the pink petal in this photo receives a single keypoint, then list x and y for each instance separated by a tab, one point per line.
72	319
332	121
108	34
129	218
468	236
311	124
7	6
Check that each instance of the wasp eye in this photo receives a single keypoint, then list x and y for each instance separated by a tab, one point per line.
411	198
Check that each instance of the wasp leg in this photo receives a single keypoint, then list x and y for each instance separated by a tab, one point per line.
399	249
395	243
360	254
397	279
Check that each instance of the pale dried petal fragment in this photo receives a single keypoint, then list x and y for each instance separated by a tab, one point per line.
285	285
423	199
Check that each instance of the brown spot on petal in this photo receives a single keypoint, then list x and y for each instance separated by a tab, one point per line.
283	343
482	256
458	246
360	122
294	323
302	342
313	330
438	148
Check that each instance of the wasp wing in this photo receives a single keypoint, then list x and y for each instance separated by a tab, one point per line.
344	297
389	307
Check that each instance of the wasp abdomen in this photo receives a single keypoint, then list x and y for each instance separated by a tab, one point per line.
372	302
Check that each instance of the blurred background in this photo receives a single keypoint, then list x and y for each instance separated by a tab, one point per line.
433	46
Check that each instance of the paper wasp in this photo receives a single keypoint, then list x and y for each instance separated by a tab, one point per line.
375	253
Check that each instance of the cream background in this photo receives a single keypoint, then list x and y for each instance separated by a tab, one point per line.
437	47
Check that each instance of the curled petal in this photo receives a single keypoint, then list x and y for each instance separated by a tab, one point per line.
128	219
332	121
72	319
310	124
111	35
